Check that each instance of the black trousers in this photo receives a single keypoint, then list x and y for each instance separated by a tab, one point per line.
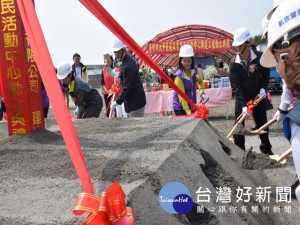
2	110
107	100
45	112
260	118
179	112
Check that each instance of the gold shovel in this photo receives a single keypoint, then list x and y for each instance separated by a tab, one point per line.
282	158
269	123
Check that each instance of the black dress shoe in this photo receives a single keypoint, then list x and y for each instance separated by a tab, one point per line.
294	185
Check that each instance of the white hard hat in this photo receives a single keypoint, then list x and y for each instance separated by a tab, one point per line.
117	45
264	26
186	51
63	70
283	26
276	3
241	35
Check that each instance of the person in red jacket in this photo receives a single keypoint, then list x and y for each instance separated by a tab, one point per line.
107	80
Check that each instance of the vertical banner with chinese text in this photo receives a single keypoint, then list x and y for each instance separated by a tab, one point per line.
19	75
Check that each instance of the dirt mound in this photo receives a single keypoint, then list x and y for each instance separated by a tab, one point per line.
253	161
39	135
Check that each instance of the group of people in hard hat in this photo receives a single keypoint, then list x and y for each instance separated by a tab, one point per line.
88	100
248	73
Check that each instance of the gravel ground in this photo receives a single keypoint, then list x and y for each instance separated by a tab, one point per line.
38	184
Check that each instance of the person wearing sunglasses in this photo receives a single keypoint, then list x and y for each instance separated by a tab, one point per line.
283	51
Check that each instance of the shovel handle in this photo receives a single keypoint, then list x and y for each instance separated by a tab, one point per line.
261	98
269	123
284	155
266	125
239	122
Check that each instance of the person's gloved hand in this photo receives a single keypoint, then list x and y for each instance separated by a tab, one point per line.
76	111
204	96
261	92
279	116
297	192
113	105
245	111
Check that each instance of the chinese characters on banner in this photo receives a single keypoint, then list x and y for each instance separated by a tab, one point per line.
19	74
200	46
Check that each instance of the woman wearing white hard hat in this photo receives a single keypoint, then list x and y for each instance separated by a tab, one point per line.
88	100
264	26
284	52
186	79
286	96
249	79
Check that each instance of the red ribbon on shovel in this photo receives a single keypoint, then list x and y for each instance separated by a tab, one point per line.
115	90
201	112
250	105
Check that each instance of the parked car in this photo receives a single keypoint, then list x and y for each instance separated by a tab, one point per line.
275	81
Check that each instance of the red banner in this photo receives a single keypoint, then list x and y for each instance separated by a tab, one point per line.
21	85
34	88
200	46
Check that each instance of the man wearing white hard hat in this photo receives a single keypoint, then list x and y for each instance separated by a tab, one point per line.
88	100
248	80
132	93
283	51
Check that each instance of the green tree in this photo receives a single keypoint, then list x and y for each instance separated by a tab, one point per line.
258	40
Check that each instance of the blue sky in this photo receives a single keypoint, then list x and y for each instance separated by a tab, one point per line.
69	27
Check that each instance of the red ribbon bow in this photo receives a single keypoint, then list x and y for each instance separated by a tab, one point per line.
109	209
200	112
250	105
115	89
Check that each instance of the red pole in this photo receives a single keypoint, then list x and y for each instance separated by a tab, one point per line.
46	68
100	13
